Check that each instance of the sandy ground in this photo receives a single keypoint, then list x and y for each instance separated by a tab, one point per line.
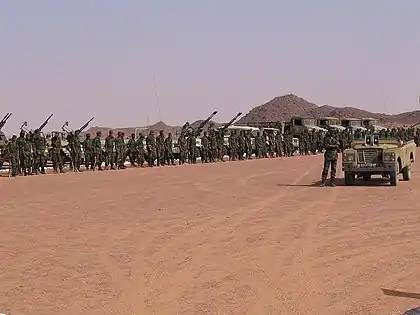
252	237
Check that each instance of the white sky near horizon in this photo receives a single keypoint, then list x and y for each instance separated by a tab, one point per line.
79	59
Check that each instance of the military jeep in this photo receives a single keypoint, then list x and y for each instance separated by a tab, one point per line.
375	156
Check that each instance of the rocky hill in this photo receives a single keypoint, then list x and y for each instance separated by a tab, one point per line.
284	107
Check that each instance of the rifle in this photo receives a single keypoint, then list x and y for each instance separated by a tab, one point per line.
4	120
84	126
200	128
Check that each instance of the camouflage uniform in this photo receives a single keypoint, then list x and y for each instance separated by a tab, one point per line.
160	149
332	146
192	148
120	150
182	146
133	152
233	146
39	152
205	148
13	151
97	147
56	157
77	151
151	149
110	151
89	152
169	156
248	145
24	156
140	150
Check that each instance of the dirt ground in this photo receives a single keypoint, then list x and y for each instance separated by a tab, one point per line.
252	237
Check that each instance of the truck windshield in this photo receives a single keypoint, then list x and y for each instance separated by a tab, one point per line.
308	122
355	123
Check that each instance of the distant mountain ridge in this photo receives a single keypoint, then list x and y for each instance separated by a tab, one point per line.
283	108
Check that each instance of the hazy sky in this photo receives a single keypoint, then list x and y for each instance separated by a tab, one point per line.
79	59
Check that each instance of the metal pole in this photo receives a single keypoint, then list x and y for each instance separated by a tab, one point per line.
157	98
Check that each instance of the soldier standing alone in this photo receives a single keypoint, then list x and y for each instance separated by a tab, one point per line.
331	145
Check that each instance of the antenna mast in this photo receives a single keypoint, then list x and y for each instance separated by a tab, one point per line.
157	98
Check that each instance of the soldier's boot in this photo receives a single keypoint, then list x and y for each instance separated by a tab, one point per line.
332	182
322	182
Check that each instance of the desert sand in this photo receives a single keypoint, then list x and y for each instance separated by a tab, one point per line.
252	237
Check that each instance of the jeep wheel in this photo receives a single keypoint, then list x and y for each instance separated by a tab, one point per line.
393	178
349	178
367	177
406	172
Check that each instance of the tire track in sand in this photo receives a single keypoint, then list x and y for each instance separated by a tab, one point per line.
244	214
259	273
132	290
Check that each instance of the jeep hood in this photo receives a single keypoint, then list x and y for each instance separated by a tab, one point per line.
384	146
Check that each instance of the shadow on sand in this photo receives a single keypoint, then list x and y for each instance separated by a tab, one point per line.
383	182
413	311
404	294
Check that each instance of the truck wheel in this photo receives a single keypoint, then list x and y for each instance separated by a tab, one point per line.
393	178
349	178
367	177
406	172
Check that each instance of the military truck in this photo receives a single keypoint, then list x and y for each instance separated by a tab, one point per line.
299	123
353	124
375	156
334	122
372	123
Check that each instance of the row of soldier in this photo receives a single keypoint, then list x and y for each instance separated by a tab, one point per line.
27	152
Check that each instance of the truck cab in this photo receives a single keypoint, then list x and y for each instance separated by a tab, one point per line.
327	122
372	123
298	124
